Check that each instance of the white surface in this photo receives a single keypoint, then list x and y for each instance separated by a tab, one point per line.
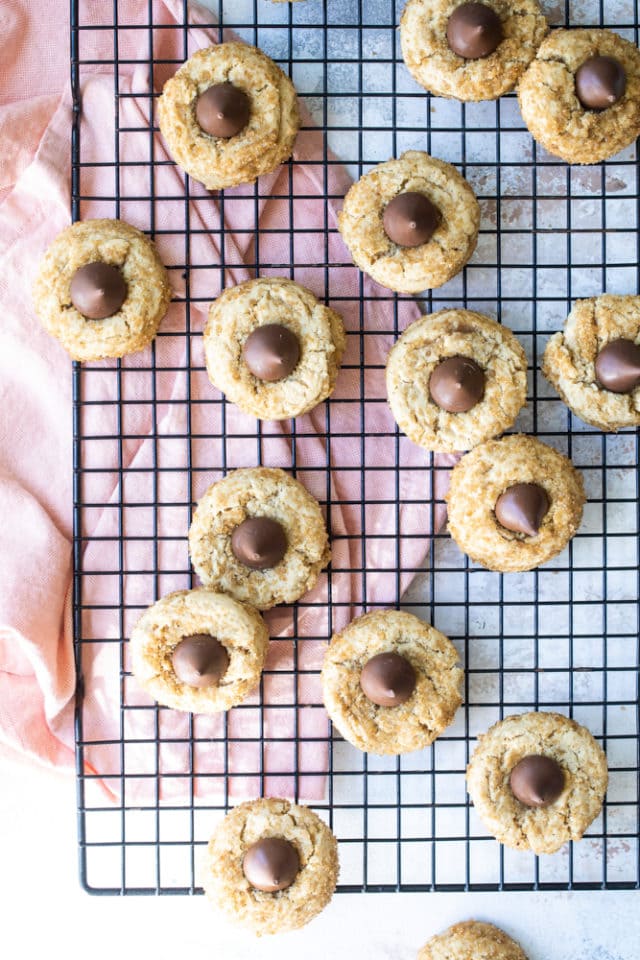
45	913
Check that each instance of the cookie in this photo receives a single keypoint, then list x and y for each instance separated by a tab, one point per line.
259	536
537	780
229	115
594	363
199	651
271	866
514	503
456	378
391	683
272	348
472	939
580	97
470	51
101	289
411	223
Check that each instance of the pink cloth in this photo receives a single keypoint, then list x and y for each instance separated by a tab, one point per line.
37	675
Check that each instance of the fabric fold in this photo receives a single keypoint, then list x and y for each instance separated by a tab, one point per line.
143	419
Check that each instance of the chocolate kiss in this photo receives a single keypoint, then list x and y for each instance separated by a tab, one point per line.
271	864
388	679
271	352
98	290
522	508
200	660
600	82
259	543
618	366
457	384
474	31
223	110
537	781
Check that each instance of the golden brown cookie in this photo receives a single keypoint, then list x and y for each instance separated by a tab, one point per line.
235	152
568	809
472	940
237	858
430	264
410	672
575	356
111	271
270	372
456	378
491	479
552	110
259	536
199	678
435	65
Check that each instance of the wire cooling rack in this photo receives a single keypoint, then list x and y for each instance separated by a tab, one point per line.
564	637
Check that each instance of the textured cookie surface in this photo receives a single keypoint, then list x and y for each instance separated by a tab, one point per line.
411	269
261	146
485	473
569	360
433	703
434	338
552	111
259	492
541	829
239	628
435	66
472	940
227	887
238	312
135	324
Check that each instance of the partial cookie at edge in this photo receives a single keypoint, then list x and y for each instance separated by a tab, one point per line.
569	360
472	938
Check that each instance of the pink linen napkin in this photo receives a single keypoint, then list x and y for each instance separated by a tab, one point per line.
36	657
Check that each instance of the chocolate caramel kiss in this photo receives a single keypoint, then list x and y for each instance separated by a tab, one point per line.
522	508
388	679
271	352
259	543
200	660
98	290
457	384
271	864
410	219
537	781
223	110
600	82
618	366
474	31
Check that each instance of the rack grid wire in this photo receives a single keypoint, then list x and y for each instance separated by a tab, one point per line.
564	637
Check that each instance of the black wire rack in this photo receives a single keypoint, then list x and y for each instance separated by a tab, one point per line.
564	637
